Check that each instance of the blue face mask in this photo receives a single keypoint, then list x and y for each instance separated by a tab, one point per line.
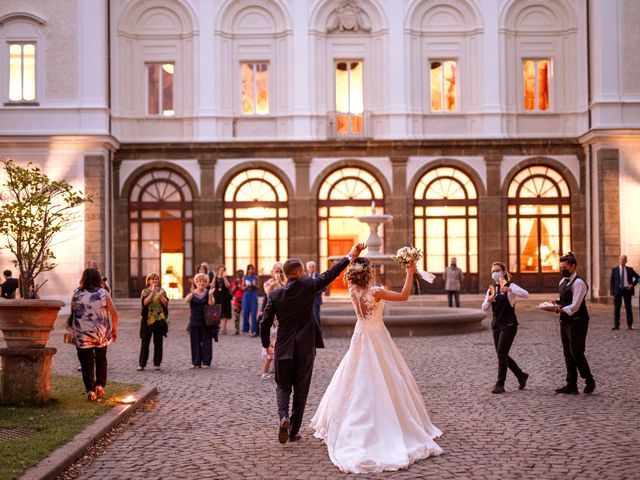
497	276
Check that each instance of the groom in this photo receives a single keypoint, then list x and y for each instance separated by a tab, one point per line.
298	337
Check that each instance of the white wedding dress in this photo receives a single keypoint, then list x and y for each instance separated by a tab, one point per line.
372	416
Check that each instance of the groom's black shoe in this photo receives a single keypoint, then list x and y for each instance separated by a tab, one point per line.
522	381
294	438
590	386
569	389
283	433
498	389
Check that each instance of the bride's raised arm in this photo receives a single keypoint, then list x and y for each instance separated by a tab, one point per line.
406	289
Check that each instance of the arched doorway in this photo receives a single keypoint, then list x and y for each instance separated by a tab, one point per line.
255	221
345	194
161	231
445	220
539	219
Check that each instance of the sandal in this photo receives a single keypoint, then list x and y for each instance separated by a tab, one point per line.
100	392
91	396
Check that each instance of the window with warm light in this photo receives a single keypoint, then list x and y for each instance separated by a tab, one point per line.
22	72
255	95
160	89
161	231
345	194
539	219
349	98
446	219
536	75
443	85
255	221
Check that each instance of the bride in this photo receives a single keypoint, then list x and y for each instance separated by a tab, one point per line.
372	416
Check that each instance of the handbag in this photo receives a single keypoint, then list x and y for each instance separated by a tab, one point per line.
212	315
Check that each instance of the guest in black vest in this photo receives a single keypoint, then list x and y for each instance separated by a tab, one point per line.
622	287
574	323
502	298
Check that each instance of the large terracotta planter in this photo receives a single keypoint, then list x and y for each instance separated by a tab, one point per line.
28	323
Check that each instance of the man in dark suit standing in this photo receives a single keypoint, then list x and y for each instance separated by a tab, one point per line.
622	287
298	337
311	272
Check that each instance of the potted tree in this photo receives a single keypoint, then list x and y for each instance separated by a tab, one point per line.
33	210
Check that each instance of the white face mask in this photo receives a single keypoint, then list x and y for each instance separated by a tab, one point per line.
497	276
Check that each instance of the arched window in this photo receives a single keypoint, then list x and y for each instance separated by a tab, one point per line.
161	231
255	221
345	194
446	219
539	216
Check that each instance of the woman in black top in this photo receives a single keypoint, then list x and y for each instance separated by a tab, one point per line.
201	335
222	296
502	296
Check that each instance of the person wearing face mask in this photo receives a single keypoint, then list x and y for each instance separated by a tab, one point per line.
574	323
502	296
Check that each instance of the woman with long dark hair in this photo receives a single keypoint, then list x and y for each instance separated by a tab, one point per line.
91	306
502	296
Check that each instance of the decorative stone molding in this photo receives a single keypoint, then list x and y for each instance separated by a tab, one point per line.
348	16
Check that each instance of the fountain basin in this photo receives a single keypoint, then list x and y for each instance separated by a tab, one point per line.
407	320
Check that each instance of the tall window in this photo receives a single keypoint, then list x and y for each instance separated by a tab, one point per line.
345	194
349	98
161	231
536	74
255	221
539	216
443	86
160	89
22	72
446	219
255	98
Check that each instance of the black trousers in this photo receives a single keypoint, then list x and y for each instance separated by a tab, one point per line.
622	295
293	375
93	362
503	339
201	345
157	335
574	334
451	294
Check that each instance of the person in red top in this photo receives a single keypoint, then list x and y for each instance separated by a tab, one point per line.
237	290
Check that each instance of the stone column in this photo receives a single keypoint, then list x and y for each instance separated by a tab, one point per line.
94	213
26	375
208	221
303	215
120	281
400	232
608	227
492	224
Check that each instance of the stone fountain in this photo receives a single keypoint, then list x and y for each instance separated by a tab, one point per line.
407	319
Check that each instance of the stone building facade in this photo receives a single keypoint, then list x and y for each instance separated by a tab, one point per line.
248	131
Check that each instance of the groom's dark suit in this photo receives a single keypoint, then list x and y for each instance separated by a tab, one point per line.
297	339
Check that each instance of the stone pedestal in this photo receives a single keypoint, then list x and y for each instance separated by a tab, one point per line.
26	375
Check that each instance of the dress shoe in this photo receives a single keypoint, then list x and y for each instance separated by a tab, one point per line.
615	328
569	389
294	438
522	381
590	387
498	389
283	432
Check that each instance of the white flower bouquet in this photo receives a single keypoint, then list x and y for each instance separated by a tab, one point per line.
406	255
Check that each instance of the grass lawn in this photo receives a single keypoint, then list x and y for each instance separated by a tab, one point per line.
68	413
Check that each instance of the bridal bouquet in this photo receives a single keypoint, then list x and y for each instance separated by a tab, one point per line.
406	255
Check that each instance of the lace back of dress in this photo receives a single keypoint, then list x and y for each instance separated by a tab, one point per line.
363	301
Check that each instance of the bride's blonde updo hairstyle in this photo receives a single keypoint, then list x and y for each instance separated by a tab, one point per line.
359	272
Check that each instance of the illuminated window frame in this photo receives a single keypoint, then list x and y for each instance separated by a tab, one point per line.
252	98
443	80
253	196
10	85
536	85
538	187
354	115
431	201
162	112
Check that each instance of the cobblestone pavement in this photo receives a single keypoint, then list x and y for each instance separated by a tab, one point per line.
221	423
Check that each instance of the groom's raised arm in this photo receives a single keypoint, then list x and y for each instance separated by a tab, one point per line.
324	279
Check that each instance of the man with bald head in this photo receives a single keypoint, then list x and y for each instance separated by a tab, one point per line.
622	287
